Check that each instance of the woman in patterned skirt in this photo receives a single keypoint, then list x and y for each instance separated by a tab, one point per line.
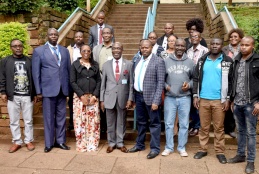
86	81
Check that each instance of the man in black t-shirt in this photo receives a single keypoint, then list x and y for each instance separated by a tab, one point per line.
16	88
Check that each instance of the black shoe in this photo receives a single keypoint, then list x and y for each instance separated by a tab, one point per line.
222	159
237	159
199	155
134	149
250	167
152	155
62	146
47	149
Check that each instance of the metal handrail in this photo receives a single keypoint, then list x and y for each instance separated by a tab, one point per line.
75	11
150	20
226	10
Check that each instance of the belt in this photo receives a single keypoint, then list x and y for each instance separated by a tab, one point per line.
139	92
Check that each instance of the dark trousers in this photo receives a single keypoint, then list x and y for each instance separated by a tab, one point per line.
229	122
70	105
54	114
144	113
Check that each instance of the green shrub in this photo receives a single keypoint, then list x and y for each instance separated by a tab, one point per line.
9	31
255	34
19	6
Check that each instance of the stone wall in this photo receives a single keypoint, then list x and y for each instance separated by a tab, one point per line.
219	24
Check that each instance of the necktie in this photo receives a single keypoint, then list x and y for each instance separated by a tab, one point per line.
117	71
56	55
100	35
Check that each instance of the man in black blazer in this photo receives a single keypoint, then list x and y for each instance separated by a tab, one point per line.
95	34
169	30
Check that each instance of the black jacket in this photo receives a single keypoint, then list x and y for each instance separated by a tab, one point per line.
226	66
251	77
85	81
7	77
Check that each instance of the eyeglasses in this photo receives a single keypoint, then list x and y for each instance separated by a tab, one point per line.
17	46
195	37
152	37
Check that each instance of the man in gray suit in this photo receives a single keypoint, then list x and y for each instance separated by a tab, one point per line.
95	34
116	96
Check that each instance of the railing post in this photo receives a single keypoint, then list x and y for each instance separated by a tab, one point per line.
88	5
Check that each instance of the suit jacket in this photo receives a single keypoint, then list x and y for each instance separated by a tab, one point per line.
111	90
154	80
93	35
49	78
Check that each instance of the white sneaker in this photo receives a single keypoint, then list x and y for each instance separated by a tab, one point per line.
183	154
166	152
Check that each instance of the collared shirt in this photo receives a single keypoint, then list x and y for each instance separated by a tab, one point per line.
164	44
114	65
197	53
212	79
76	52
51	47
98	26
140	72
105	54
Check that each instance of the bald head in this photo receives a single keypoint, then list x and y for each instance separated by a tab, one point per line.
146	48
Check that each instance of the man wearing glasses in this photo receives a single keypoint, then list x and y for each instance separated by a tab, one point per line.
17	89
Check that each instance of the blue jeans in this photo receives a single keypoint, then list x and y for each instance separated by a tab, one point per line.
246	130
180	105
144	113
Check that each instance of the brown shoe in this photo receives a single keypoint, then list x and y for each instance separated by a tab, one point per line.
123	149
30	146
110	149
14	148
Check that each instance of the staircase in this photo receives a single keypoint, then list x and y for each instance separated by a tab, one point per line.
178	15
128	21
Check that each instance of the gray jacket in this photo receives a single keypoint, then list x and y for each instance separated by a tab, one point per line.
178	71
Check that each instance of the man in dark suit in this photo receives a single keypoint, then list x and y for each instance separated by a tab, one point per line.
169	30
116	96
95	34
149	81
51	68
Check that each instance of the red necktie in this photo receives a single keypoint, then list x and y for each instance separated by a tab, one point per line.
117	71
100	35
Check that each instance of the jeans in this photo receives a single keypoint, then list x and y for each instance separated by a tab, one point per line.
180	105
246	130
144	113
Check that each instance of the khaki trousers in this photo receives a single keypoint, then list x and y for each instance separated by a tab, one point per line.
211	111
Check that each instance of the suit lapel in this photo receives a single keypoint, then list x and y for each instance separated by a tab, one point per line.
49	54
111	70
149	64
123	67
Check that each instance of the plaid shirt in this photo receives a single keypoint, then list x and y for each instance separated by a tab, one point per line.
197	53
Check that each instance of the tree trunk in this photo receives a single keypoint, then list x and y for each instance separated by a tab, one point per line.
230	2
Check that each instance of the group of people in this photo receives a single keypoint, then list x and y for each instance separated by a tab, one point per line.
216	85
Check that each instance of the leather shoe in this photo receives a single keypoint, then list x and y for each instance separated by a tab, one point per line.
194	132
110	149
134	149
30	146
152	155
14	148
199	155
47	149
222	159
63	146
123	149
250	167
237	159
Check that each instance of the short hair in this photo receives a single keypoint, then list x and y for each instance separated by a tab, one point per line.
101	12
182	40
15	40
151	33
146	40
119	43
108	28
52	29
91	56
79	32
217	38
250	37
239	31
172	35
197	22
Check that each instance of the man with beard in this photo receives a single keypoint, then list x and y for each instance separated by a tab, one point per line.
211	93
74	51
178	84
245	105
51	70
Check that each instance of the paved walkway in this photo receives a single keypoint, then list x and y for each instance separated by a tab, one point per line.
71	162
